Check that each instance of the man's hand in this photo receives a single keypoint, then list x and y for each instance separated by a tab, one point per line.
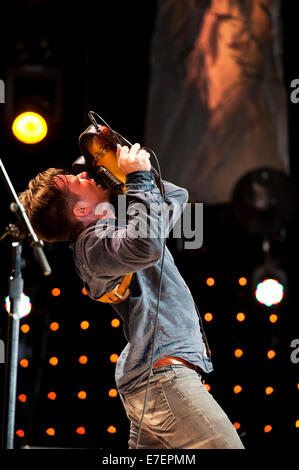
135	159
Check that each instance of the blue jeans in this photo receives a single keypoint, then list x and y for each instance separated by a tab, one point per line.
180	413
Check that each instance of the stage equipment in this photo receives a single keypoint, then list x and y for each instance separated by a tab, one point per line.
265	201
29	127
16	283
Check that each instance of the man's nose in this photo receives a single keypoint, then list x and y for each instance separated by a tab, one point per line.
84	175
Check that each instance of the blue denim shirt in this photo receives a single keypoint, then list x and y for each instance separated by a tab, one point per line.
105	251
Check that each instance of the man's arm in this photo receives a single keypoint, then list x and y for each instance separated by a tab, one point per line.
114	250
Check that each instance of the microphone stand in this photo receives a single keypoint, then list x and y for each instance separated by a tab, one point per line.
16	283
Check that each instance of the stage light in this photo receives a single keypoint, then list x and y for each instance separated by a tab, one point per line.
210	281
240	316
20	433
114	358
24	363
25	328
238	353
83	359
271	354
54	326
82	395
112	392
51	396
50	431
111	429
25	307
81	430
53	361
269	390
115	322
242	281
237	389
237	425
273	318
269	292
297	423
56	292
29	127
208	317
208	387
22	398
84	325
84	291
267	428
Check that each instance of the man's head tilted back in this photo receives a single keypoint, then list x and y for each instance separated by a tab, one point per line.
59	206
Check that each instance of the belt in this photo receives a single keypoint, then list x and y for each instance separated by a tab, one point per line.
166	361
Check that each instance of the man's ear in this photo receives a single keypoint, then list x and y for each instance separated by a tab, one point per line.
80	210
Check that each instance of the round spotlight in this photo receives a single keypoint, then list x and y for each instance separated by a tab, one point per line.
29	127
269	292
25	306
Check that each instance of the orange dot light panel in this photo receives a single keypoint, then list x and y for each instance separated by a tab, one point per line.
84	325
56	292
114	358
24	363
242	281
240	316
208	316
112	429
83	359
115	322
210	281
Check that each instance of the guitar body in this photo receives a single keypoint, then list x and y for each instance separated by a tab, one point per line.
98	147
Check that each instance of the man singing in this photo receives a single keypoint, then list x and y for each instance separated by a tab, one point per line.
111	260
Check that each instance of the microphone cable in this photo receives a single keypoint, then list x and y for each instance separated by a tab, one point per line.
161	261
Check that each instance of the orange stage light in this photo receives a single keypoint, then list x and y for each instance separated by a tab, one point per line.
112	392
82	395
24	363
83	359
22	398
84	325
115	322
269	390
54	326
111	429
273	318
20	433
208	316
53	361
240	316
25	328
238	353
114	358
271	354
81	430
55	292
242	281
237	425
210	281
208	387
52	396
50	431
84	291
267	428
237	389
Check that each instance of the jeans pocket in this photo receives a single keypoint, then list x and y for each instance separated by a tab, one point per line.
158	414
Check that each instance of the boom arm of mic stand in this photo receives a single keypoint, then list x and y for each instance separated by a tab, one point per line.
18	208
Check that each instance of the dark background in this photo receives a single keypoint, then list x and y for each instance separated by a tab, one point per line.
102	51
